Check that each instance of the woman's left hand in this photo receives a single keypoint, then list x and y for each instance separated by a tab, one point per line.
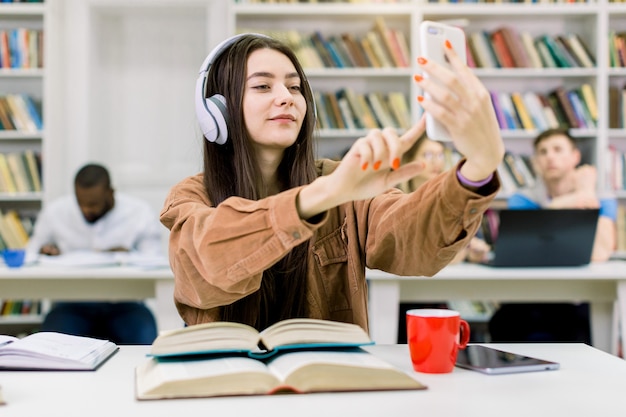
461	102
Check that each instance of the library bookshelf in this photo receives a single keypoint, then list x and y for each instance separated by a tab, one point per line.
23	78
591	21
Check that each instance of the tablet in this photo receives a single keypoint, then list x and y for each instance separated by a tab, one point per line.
493	361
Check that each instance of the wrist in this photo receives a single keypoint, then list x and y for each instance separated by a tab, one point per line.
315	198
472	183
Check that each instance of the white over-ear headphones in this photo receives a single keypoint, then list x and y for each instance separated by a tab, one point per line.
211	112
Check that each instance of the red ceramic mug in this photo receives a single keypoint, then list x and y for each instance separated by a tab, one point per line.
435	337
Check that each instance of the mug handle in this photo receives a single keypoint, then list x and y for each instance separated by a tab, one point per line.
465	334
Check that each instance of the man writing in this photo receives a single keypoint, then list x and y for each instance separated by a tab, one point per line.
97	219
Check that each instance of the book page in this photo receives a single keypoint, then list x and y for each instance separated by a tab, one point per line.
286	364
313	331
347	370
202	378
5	339
206	338
46	348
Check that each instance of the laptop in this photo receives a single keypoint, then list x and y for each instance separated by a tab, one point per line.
544	238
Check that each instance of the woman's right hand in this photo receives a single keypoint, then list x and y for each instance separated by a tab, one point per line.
371	167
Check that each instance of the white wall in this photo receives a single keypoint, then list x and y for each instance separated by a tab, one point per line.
125	78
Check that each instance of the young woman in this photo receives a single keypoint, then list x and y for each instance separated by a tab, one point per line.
266	233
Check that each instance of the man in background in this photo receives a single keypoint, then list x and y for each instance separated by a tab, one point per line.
561	183
97	219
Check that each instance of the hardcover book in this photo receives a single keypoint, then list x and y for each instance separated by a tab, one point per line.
230	337
296	356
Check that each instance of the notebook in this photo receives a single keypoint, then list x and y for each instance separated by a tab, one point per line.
543	238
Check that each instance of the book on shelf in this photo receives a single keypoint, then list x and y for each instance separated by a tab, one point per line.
6	121
482	48
399	106
355	49
556	51
513	168
550	114
54	351
582	113
495	102
567	51
522	111
581	49
297	356
547	60
501	49
529	46
535	110
510	112
614	105
560	96
515	46
390	43
379	50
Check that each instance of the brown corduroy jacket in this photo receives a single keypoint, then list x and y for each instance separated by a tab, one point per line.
218	254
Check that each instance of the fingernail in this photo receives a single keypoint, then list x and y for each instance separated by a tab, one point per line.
396	163
420	98
364	166
422	61
448	44
377	165
418	78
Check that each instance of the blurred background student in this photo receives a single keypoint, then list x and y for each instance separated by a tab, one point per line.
561	182
96	218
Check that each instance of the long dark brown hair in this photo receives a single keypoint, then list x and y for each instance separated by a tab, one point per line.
232	170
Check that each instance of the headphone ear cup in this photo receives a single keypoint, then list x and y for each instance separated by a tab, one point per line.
216	107
211	114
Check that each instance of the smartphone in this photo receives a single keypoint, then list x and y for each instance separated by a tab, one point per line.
494	362
432	38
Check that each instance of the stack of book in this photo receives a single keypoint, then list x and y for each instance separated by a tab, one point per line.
295	356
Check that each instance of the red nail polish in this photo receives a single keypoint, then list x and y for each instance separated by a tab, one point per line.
448	44
422	61
377	165
364	166
418	78
420	98
396	163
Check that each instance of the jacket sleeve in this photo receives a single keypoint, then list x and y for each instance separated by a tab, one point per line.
421	232
218	254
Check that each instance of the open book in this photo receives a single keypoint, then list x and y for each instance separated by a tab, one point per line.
301	371
54	351
86	258
292	334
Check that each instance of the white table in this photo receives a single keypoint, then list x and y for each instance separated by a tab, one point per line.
601	284
94	283
589	383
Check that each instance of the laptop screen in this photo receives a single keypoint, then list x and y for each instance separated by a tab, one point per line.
539	238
